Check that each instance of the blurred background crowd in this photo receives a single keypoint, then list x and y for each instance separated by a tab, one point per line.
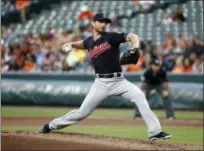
32	33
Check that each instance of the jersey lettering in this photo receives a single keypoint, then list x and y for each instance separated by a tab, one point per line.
97	50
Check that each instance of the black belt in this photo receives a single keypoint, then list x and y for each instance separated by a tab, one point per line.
109	75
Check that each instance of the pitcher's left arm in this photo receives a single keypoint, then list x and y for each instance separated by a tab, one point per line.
131	56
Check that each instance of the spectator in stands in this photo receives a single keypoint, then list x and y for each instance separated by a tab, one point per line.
39	54
29	64
2	50
150	48
186	66
182	44
25	48
50	60
4	66
166	19
7	55
178	15
169	43
48	35
178	66
198	65
13	66
147	60
195	40
23	6
46	64
14	58
195	44
11	29
193	56
84	13
147	5
3	32
16	54
169	60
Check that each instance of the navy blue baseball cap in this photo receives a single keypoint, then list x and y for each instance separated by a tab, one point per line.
101	17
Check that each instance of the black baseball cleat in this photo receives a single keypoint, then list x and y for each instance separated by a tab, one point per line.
137	116
45	129
161	135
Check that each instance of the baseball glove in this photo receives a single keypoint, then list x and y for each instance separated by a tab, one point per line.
130	57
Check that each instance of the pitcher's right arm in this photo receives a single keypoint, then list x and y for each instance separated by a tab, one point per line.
68	46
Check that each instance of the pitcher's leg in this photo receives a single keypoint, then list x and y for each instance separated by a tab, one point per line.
89	104
134	94
146	89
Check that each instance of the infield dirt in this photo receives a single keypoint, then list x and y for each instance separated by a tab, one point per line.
24	140
21	140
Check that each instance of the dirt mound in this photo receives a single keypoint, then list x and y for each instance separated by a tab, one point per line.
21	140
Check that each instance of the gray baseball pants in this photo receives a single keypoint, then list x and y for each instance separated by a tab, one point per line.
100	90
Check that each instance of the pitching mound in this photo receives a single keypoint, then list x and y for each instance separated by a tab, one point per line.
21	140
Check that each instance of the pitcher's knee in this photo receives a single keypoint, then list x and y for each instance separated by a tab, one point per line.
138	97
76	115
84	115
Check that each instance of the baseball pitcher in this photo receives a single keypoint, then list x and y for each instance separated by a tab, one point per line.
103	49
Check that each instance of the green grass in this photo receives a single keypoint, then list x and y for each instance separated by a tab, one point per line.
7	111
179	134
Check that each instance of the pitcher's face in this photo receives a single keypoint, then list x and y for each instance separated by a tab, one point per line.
99	26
